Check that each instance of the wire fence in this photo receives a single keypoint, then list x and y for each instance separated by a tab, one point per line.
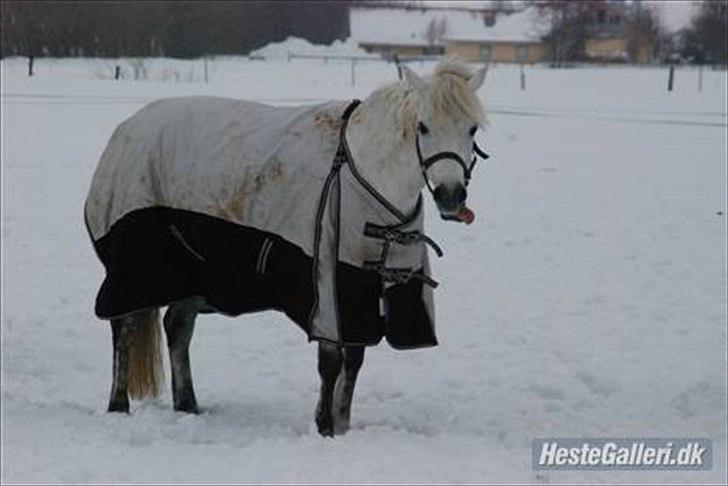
202	69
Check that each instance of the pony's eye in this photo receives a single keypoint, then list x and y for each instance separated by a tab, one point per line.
473	129
423	128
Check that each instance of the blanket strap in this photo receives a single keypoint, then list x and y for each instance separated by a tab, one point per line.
332	182
389	234
393	235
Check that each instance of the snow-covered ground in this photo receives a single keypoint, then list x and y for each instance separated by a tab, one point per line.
588	299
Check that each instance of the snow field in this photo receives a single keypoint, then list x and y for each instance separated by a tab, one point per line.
588	299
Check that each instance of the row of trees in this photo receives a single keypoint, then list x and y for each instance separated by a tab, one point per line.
185	29
571	23
706	41
192	28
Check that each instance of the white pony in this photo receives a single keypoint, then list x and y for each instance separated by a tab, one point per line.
216	205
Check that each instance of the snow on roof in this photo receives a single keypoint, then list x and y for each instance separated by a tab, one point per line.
408	26
524	26
674	16
472	4
296	45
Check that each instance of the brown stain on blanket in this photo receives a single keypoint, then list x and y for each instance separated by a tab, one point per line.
327	122
247	189
234	205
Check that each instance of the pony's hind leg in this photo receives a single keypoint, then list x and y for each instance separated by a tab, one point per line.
123	332
344	390
179	324
329	365
137	371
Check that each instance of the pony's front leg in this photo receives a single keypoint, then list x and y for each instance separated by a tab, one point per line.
344	390
179	325
329	365
123	333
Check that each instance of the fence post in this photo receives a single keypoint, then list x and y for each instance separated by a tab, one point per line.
206	71
700	78
671	77
30	65
523	78
117	72
399	68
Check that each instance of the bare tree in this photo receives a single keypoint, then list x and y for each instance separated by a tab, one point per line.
567	24
189	28
707	38
431	32
441	28
643	33
435	30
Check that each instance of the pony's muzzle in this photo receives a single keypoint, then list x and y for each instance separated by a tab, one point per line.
450	198
450	201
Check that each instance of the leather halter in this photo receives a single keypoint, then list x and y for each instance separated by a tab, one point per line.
425	164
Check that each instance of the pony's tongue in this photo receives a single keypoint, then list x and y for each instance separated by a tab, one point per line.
466	215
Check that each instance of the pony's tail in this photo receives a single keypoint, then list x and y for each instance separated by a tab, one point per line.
146	373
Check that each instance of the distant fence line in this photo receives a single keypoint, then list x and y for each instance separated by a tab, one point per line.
354	59
140	69
361	57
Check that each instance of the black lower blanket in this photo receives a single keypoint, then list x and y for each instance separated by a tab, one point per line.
158	255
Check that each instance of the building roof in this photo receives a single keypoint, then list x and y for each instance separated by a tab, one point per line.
406	26
524	26
477	5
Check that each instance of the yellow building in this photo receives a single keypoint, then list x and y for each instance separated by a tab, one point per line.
614	35
512	38
474	34
497	51
403	49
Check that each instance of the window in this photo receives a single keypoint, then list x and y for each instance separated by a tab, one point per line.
433	50
489	19
486	52
521	53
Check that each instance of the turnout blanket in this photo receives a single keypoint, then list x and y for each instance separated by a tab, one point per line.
254	207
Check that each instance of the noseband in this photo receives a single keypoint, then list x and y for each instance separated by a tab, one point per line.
425	164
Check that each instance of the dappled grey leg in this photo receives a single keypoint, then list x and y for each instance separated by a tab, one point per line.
329	365
179	324
123	332
344	390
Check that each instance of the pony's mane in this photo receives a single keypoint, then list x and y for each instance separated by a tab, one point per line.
448	96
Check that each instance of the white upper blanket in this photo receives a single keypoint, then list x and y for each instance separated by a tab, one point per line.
247	163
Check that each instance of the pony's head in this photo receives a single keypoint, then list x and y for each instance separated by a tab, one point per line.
448	115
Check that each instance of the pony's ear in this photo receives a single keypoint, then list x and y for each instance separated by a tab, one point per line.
476	80
414	79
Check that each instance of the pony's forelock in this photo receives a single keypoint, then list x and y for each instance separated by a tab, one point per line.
450	95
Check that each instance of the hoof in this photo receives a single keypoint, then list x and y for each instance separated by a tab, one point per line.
119	406
187	407
326	430
325	425
191	410
341	427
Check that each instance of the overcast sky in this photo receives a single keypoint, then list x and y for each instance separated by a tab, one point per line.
673	14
